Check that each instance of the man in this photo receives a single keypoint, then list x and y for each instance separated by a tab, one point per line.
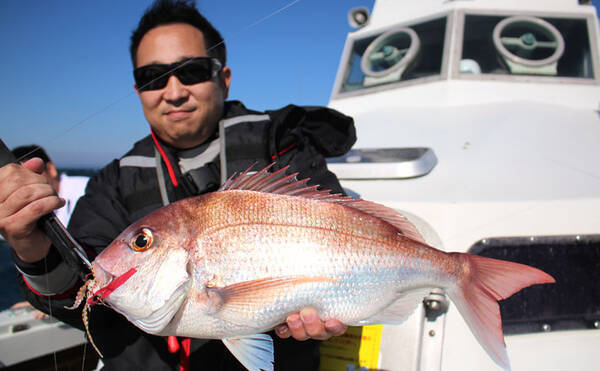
197	140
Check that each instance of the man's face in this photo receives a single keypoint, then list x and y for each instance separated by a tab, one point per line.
184	116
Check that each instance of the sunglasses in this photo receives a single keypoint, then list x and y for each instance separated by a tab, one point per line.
188	71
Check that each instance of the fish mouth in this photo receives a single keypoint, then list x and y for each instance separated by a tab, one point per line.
101	276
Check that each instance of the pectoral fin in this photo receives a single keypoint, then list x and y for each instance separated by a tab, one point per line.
237	302
255	352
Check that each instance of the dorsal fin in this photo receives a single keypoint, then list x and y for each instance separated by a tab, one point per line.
280	183
389	215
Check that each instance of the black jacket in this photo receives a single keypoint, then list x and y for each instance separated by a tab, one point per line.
129	188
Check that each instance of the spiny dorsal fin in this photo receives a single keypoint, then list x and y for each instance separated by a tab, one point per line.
280	183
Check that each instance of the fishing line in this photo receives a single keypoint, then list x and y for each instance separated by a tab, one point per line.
84	353
271	15
122	98
50	309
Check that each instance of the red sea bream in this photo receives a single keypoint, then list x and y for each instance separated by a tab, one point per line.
233	264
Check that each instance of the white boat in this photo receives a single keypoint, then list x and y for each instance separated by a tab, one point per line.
31	343
481	119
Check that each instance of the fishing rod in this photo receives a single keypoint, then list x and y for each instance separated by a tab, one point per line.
72	253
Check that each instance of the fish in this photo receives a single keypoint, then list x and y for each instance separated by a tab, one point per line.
234	263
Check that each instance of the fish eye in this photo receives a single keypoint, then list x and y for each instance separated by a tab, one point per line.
142	240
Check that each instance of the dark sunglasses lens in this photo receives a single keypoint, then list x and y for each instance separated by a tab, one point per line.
194	72
189	72
151	77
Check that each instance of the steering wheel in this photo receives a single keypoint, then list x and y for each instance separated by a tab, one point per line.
528	45
390	53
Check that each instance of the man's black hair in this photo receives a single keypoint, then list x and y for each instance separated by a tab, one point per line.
24	153
163	12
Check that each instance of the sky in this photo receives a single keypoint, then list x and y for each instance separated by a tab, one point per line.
67	75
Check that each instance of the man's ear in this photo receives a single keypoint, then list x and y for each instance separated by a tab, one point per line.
225	79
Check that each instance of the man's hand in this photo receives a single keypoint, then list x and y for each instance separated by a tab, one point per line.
306	324
25	196
25	305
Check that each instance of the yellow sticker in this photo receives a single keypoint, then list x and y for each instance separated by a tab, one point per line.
357	349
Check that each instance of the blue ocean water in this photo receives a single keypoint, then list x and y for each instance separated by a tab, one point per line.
9	291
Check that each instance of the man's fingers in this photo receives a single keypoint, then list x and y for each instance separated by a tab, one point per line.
14	177
335	327
283	331
306	324
313	326
24	196
294	322
20	212
21	224
35	164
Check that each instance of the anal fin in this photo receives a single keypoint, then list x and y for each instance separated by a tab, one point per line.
255	352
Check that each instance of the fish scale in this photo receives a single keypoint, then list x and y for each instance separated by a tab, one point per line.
235	263
307	238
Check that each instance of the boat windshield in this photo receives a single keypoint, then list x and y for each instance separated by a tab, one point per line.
398	54
526	45
481	46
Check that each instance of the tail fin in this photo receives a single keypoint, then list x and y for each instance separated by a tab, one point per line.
476	296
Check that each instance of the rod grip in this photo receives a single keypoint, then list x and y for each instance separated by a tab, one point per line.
6	156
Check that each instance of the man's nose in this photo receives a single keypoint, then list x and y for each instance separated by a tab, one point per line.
175	91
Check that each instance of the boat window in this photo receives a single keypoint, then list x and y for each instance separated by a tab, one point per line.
573	302
526	45
395	55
